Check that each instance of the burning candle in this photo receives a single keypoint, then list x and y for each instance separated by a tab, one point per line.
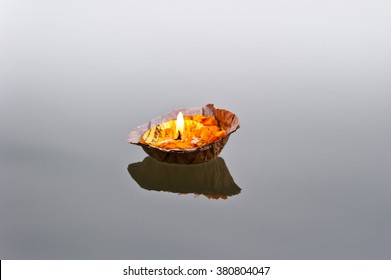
179	126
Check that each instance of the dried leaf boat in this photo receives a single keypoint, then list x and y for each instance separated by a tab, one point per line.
226	120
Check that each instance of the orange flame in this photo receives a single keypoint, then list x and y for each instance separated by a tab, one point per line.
180	123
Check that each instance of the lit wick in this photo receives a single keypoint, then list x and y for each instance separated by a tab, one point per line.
180	123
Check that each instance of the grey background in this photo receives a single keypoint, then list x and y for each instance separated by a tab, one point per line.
309	80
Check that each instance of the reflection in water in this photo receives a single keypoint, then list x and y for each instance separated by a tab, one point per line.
211	178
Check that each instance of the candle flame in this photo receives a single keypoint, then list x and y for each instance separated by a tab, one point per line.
180	123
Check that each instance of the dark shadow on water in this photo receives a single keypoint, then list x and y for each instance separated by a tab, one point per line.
211	179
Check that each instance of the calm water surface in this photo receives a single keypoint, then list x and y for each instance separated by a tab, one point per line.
308	172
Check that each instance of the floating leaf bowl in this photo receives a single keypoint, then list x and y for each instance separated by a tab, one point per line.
226	120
